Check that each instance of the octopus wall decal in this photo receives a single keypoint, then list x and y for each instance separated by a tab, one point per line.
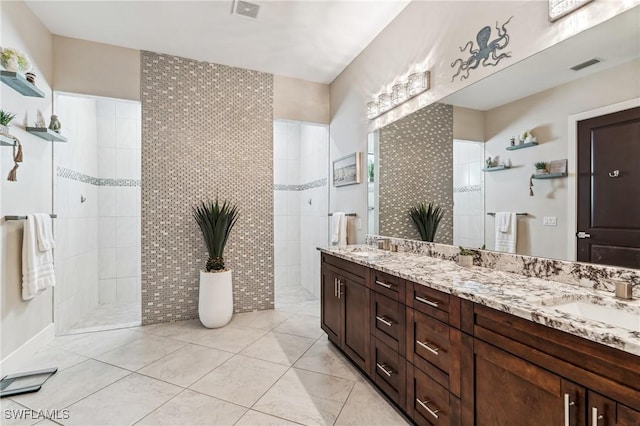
486	53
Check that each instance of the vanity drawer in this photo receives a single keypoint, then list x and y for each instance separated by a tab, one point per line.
429	301
389	371
430	340
429	403
388	321
389	285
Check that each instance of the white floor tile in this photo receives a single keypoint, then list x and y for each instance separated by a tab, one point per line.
186	365
122	403
255	418
378	412
141	352
301	325
324	358
230	338
279	348
194	409
264	320
240	380
187	331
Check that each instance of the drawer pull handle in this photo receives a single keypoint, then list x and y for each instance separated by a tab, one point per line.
567	405
428	302
427	347
385	285
424	405
383	367
335	287
595	417
385	321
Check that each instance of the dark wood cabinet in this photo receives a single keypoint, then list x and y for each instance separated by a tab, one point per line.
344	312
447	361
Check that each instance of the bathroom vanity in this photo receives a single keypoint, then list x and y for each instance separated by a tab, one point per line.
476	346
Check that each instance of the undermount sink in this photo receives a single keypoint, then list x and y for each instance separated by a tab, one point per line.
607	314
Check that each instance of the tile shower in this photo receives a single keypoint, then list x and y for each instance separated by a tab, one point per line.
301	155
468	193
97	199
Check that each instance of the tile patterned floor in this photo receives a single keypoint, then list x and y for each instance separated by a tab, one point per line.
104	317
265	368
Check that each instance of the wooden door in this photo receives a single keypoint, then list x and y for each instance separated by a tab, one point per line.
355	297
511	391
609	189
330	311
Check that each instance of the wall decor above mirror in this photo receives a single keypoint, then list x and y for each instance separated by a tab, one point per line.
542	95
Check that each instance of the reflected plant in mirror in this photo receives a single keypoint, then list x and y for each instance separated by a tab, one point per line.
426	218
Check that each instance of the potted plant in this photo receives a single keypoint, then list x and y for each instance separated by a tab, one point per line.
541	167
426	218
13	60
370	170
5	119
215	304
465	257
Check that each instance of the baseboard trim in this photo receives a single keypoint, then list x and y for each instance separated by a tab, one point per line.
33	345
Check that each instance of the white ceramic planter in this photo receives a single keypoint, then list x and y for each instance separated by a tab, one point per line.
215	304
466	261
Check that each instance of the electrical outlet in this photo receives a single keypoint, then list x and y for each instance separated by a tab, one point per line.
549	221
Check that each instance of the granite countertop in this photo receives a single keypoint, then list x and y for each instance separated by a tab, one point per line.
530	298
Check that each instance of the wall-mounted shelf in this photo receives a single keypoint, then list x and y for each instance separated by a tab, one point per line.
522	146
20	84
46	134
550	176
5	141
495	168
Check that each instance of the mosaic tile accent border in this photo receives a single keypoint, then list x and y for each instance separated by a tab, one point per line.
81	177
468	188
309	185
416	165
207	131
598	277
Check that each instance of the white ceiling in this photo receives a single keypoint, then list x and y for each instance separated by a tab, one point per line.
306	39
614	42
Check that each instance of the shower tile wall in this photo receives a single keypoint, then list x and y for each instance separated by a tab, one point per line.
98	240
76	228
468	193
300	203
119	146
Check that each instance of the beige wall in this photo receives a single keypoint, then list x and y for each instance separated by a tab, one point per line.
90	68
546	114
468	124
20	321
428	35
300	100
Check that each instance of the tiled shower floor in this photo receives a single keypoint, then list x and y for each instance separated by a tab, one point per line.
270	367
105	317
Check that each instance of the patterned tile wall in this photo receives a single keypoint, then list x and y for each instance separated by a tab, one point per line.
207	131
416	165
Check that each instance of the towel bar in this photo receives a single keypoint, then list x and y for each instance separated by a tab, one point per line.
517	214
346	214
53	216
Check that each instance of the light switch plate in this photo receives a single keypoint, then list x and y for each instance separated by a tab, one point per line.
550	221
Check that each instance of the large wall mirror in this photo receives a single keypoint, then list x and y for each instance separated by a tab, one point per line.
438	153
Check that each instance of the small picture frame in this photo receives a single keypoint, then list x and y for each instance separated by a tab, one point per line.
347	170
558	167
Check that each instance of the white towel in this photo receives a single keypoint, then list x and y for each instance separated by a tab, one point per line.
339	228
506	232
43	229
37	266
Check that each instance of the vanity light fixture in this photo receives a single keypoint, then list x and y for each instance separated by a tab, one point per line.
372	110
398	93
416	83
384	103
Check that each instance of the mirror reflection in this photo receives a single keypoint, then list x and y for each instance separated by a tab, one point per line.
528	113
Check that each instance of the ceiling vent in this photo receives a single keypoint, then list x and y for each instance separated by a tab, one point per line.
245	8
585	64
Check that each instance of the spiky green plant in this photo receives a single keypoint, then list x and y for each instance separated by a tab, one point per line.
540	165
215	222
6	117
426	218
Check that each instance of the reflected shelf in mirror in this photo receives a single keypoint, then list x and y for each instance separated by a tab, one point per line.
496	168
549	175
521	146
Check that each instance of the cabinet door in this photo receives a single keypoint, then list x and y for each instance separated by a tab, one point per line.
627	416
602	411
355	338
510	391
330	312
